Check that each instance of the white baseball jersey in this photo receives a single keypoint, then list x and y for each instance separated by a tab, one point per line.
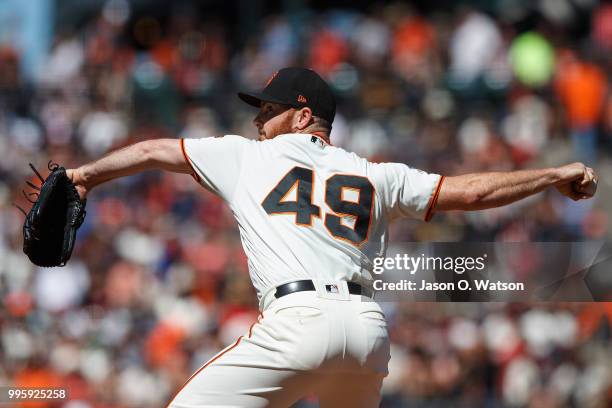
308	210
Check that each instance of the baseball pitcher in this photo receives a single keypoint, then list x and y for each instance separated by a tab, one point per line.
312	217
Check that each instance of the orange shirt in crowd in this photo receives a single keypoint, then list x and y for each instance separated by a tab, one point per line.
415	36
582	88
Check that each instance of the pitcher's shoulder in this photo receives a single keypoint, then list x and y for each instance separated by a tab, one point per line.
237	139
352	157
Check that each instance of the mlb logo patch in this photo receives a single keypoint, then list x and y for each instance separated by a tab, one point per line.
332	289
317	141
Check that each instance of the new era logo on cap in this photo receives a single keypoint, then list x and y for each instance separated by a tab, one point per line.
296	87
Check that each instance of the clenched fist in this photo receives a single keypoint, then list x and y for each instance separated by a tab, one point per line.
577	181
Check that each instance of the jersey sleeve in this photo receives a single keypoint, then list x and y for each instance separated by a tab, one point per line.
216	162
407	192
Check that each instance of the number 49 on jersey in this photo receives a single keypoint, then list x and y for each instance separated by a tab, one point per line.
302	180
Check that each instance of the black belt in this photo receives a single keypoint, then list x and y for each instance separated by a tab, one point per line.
308	285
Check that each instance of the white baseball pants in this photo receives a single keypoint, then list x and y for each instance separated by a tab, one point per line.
334	345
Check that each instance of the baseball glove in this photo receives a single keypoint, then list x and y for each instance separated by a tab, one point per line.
49	230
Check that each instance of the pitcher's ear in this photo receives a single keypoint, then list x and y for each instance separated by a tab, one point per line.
302	118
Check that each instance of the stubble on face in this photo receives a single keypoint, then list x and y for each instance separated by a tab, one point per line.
273	120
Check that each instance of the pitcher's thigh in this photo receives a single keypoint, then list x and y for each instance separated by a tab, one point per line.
241	387
233	379
351	390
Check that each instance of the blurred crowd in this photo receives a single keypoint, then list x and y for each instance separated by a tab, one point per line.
158	282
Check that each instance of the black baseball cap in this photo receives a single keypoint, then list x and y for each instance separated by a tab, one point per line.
298	88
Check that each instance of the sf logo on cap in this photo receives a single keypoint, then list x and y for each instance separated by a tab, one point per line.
302	99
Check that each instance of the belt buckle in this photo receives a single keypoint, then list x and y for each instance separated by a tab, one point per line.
332	290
